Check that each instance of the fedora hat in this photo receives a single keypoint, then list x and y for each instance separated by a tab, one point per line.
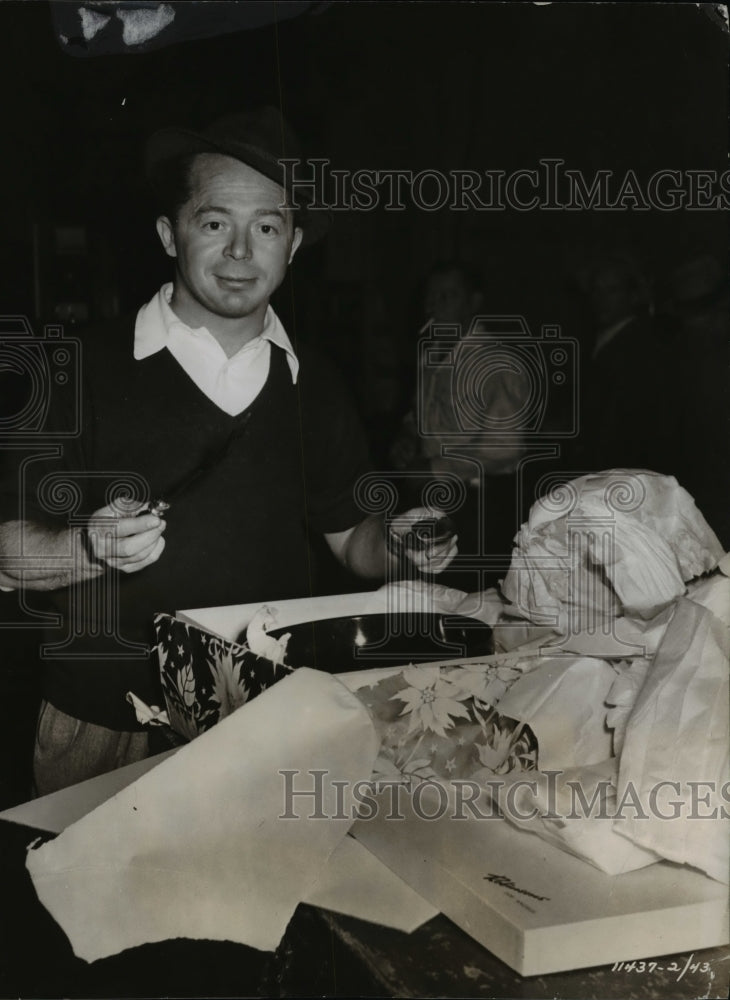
261	139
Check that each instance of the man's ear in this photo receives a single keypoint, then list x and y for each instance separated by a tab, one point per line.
167	235
296	240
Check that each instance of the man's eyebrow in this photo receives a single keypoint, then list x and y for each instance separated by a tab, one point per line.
271	211
202	209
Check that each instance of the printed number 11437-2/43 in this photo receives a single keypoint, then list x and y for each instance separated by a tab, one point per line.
689	966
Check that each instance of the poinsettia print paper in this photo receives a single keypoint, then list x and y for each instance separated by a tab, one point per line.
205	678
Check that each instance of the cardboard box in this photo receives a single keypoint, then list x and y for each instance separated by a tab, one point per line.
535	907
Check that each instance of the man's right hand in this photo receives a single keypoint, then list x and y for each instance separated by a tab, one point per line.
125	543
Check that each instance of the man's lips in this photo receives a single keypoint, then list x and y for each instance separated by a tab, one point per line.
235	281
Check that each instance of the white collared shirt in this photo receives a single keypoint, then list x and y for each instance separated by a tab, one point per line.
231	383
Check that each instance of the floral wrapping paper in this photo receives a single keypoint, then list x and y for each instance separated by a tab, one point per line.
205	678
441	722
433	722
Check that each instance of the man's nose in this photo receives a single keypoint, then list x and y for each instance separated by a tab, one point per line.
239	245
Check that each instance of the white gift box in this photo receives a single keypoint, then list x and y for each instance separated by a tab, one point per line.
534	906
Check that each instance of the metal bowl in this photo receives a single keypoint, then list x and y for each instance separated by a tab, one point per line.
341	645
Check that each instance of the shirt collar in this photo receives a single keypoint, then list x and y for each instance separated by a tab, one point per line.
156	319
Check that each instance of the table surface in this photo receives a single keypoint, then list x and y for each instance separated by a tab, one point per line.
322	954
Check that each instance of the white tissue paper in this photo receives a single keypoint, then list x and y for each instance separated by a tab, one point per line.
572	809
601	545
562	701
674	765
630	677
196	848
570	801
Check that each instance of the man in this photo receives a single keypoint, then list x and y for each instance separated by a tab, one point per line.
696	404
202	402
433	439
622	422
453	299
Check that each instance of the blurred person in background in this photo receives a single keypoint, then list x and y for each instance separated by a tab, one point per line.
696	408
623	373
432	432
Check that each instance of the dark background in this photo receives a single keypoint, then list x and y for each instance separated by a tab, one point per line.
367	85
388	85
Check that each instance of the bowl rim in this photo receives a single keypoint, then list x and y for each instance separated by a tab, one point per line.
449	619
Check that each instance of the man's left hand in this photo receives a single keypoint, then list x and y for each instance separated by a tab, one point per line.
426	537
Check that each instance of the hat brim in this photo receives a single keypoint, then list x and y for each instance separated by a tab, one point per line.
170	143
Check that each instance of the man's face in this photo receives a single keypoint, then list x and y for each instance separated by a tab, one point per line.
232	241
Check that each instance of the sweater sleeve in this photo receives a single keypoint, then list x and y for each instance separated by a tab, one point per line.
334	446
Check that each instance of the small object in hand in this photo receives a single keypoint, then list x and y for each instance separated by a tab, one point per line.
422	534
157	507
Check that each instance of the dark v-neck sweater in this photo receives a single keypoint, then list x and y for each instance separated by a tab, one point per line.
237	534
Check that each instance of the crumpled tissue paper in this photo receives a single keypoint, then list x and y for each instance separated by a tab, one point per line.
196	847
562	701
601	545
674	761
572	809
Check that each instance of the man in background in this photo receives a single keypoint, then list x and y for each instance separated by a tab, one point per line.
463	366
621	377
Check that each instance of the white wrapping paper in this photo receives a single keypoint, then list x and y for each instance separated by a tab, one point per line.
674	763
602	544
196	848
562	700
551	807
